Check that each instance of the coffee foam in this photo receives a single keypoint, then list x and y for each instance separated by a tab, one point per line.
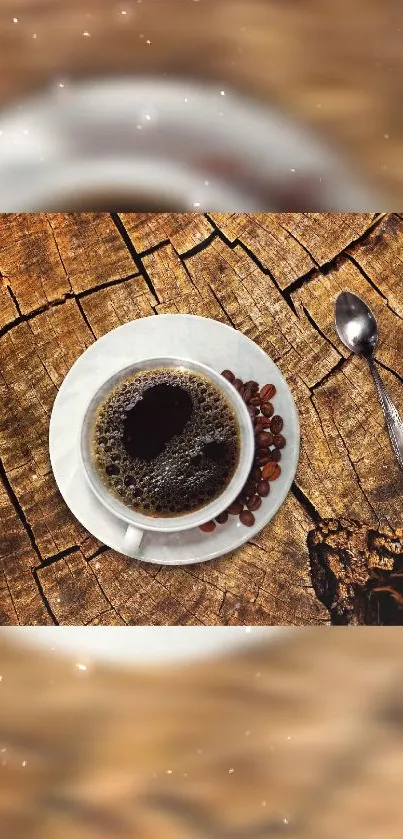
184	476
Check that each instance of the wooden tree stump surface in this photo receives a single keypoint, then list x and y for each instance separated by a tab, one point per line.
335	549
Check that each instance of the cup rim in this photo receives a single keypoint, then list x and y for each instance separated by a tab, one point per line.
194	519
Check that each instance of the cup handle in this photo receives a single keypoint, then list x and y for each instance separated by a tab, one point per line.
132	540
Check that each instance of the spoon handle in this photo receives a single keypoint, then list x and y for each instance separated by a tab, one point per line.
393	421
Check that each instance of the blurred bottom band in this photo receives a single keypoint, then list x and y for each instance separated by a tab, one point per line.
295	732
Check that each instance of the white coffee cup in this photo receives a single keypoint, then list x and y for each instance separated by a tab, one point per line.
138	523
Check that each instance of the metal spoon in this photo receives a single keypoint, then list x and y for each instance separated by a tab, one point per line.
356	326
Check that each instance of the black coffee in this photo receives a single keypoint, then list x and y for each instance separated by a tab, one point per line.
166	442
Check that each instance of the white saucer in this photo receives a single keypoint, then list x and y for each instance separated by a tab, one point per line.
186	336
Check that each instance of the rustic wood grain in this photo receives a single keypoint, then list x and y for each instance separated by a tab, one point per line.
72	590
289	738
90	249
184	230
30	262
272	276
290	244
20	597
8	308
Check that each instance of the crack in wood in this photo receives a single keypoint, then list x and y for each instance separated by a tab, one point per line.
108	284
14	299
44	598
202	246
218	230
17	506
55	558
305	502
341	364
98	552
359	267
77	296
239	243
223	309
133	253
48	219
300	282
389	370
85	319
159	246
301	244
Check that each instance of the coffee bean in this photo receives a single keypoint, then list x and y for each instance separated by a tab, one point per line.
267	433
247	518
276	424
262	459
208	527
263	440
247	393
271	471
267	392
262	423
250	488
267	409
256	473
235	508
228	374
254	502
279	441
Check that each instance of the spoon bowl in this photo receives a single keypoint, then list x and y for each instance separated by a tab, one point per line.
355	324
357	328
